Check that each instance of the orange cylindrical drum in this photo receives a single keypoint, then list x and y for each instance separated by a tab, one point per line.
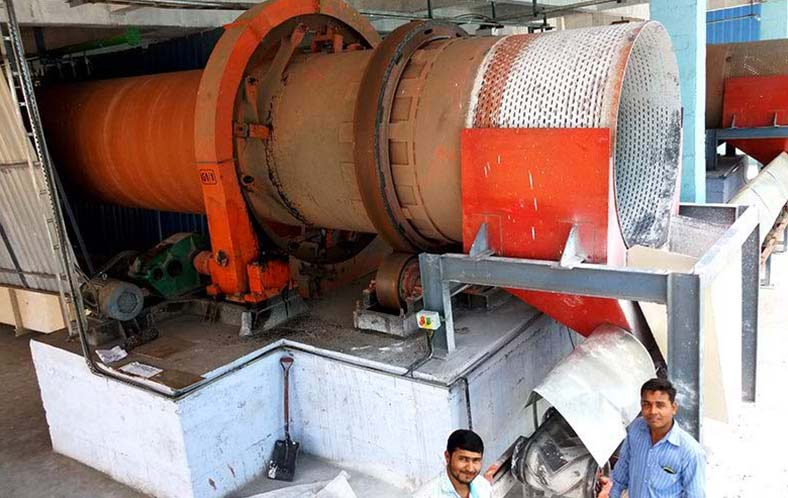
131	140
128	141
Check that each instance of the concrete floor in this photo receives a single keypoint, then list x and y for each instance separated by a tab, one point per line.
746	458
26	452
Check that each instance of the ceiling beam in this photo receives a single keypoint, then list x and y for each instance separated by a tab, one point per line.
59	13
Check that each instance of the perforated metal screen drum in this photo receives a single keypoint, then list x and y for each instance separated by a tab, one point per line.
621	77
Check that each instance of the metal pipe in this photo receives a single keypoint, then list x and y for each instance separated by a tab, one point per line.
558	9
60	243
737	18
58	240
182	4
130	37
208	5
768	192
28	273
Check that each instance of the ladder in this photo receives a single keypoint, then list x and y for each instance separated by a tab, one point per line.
39	163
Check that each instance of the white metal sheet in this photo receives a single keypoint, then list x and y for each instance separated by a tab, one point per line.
597	388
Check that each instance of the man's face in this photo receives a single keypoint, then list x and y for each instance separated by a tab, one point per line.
463	465
657	410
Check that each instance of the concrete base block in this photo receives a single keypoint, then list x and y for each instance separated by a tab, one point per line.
217	438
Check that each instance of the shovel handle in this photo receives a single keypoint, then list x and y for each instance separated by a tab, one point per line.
287	362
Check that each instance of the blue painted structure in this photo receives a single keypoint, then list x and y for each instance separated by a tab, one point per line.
685	21
733	25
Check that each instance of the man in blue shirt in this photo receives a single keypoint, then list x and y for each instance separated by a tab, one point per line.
462	477
658	459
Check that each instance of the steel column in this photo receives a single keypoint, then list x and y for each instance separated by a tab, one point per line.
711	149
685	348
750	285
437	297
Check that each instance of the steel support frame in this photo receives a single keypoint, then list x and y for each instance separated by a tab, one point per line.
762	132
716	135
711	149
683	293
784	245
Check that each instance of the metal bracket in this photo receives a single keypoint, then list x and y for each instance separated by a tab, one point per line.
251	130
574	253
481	244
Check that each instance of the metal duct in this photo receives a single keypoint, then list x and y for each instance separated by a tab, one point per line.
768	192
597	388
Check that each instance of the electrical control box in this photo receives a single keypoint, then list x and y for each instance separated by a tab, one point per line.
430	320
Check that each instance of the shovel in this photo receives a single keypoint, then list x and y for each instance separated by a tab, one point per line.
283	460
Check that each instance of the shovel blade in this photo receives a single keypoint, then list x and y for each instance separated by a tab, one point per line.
283	460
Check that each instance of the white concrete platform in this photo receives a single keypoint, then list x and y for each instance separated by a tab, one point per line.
352	401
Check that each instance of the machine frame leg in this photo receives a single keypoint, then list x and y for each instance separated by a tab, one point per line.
750	257
437	297
766	281
685	348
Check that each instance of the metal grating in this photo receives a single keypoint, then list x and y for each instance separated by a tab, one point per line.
648	140
572	79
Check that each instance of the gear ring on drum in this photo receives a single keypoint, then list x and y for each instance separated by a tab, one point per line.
373	167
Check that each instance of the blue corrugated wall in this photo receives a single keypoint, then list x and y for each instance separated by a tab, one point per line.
737	24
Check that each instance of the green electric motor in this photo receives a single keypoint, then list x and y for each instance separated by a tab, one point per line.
167	269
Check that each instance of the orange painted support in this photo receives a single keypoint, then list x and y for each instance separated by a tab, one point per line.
756	101
268	279
233	239
531	186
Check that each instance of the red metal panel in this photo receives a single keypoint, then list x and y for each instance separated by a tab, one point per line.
531	186
755	101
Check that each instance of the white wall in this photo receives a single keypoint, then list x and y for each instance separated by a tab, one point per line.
219	437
